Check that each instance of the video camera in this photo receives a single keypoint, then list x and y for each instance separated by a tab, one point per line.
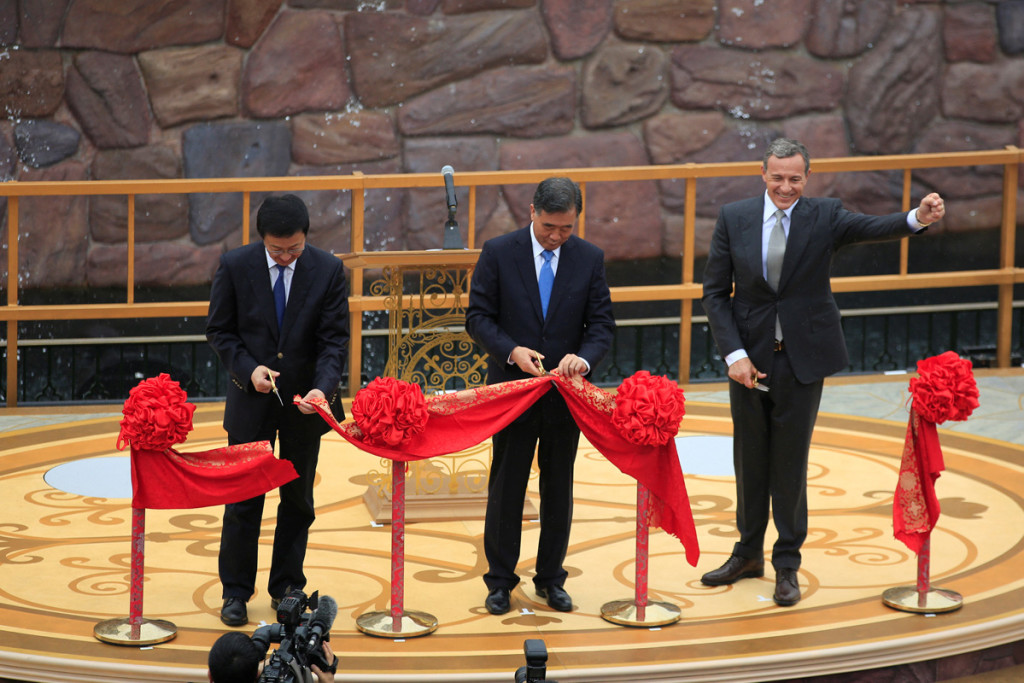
301	636
536	663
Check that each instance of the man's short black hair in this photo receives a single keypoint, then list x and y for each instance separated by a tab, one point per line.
235	658
282	216
557	195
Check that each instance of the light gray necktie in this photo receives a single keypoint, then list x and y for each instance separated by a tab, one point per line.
773	261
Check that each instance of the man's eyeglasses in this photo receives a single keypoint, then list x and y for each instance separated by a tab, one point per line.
277	251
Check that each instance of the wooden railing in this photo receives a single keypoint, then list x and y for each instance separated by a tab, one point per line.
685	292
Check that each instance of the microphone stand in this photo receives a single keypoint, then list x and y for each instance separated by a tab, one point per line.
452	236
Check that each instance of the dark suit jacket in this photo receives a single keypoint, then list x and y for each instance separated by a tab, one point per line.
310	354
504	304
806	308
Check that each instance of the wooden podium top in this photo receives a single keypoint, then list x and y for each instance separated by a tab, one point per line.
428	258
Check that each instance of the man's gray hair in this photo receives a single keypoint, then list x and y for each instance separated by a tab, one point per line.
783	148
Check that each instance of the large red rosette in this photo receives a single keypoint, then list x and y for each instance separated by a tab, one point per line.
648	409
157	415
389	411
944	389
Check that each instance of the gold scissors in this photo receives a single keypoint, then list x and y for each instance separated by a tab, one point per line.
273	387
536	357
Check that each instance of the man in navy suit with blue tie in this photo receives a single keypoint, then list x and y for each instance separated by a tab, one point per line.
278	320
769	303
538	294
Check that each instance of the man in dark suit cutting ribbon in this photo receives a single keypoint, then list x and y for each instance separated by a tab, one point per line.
278	320
538	296
769	302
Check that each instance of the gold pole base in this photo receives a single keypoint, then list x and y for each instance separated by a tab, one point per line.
120	632
625	613
382	624
907	599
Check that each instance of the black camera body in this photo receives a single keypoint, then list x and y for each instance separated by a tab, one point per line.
536	668
301	636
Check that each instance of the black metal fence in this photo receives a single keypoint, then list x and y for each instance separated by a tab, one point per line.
53	371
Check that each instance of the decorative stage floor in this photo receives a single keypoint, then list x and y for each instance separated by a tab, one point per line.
65	549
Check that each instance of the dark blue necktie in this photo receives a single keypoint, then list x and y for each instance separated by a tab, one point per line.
547	278
279	295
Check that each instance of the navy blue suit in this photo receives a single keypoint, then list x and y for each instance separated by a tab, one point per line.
772	431
309	352
505	312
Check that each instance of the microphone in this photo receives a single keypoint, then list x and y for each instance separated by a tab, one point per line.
320	622
449	188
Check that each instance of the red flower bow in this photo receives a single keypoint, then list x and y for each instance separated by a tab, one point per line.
157	415
388	411
648	409
944	389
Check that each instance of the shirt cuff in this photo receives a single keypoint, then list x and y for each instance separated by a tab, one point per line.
913	223
735	356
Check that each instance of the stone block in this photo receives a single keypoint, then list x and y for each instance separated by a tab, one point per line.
343	138
44	143
106	94
157	264
53	232
744	143
40	22
992	93
158	217
230	150
247	19
31	83
576	27
1010	19
963	136
192	83
755	24
665	21
465	6
824	136
279	80
969	33
395	57
768	85
8	22
673	136
891	95
513	101
612	209
839	28
130	26
622	84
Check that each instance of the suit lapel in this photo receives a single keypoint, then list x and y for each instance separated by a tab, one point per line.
528	271
750	229
302	281
566	267
801	227
263	294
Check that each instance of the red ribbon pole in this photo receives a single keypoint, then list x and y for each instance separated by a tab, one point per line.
398	468
924	564
138	567
643	502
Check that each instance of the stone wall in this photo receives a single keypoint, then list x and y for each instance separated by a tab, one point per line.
213	88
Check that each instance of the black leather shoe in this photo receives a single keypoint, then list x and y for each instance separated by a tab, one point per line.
734	569
497	601
787	589
233	612
556	596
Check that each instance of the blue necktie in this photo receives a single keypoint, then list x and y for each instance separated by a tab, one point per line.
547	278
279	295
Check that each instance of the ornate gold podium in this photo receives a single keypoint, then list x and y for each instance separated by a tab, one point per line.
425	294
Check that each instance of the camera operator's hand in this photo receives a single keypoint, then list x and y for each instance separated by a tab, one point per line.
329	656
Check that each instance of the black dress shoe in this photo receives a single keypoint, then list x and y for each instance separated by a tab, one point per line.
734	569
556	596
497	601
233	612
787	589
